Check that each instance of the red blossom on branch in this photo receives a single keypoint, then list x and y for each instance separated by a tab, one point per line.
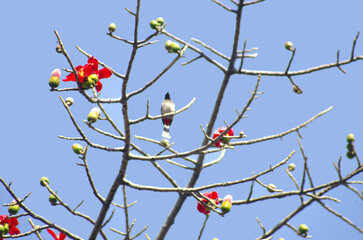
89	75
224	140
60	237
212	196
12	222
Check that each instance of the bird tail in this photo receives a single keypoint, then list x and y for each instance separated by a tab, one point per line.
166	133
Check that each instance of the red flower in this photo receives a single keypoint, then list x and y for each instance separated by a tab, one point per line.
12	222
211	195
61	235
224	140
89	75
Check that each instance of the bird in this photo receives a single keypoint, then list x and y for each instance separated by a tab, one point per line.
167	107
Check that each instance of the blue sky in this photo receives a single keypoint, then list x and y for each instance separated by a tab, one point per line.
33	116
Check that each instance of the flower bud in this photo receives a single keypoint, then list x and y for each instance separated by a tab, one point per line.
174	47
6	228
350	154
56	73
14	208
52	199
44	181
96	110
154	24
54	79
271	188
297	90
291	167
350	137
58	49
303	229
92	117
241	133
112	27
228	198
69	101
289	46
226	206
168	45
93	78
160	21
350	146
77	148
164	142
2	229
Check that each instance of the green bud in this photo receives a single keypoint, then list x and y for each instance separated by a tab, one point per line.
291	167
2	230
289	46
350	154
87	83
160	21
350	137
77	148
168	45
52	199
58	49
44	181
6	228
69	101
174	47
271	187
226	206
154	24
92	117
13	209
93	78
303	229
350	146
112	27
54	82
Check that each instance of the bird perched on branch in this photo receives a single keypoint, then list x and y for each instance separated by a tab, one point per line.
167	107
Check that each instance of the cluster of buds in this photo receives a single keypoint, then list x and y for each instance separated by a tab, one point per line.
154	24
172	47
93	115
55	78
350	146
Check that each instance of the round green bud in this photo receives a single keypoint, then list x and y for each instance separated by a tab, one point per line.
77	148
2	230
350	154
350	137
58	49
289	46
164	142
52	199
13	209
291	167
54	82
92	117
160	20
154	24
226	206
69	101
350	146
174	47
44	181
112	27
271	188
168	45
6	228
303	229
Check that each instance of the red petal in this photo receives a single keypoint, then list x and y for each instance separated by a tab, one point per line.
216	134
70	77
99	86
222	129
62	236
13	222
14	231
104	73
230	132
2	218
201	208
52	233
